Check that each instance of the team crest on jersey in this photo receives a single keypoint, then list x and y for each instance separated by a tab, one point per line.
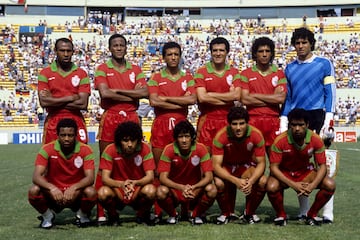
274	81
78	162
132	77
138	160
311	151
195	160
249	146
75	80
184	85
229	79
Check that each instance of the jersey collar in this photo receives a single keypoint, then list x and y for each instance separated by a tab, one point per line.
57	148
54	67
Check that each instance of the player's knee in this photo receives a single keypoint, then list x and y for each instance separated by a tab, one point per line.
90	192
211	190
103	193
272	185
162	192
262	182
34	190
220	185
329	184
149	191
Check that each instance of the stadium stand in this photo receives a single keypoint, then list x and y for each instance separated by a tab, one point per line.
23	59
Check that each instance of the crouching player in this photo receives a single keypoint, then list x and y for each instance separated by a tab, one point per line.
186	176
290	167
63	177
127	167
239	163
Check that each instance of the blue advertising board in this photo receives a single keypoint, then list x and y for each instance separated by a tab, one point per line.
36	137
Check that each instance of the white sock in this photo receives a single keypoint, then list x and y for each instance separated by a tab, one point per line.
48	214
303	205
328	209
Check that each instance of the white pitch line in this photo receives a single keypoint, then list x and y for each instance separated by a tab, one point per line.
352	149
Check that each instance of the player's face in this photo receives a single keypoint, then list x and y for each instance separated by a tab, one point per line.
263	55
128	145
172	57
66	138
218	53
184	141
238	127
64	52
303	48
118	48
298	129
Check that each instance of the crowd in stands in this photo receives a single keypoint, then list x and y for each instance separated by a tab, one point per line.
21	59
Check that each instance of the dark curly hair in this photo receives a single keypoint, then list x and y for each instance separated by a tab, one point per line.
263	41
236	113
184	127
128	129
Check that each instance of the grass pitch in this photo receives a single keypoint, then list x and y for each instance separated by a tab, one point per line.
18	219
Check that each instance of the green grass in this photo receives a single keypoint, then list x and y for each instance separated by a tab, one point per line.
18	218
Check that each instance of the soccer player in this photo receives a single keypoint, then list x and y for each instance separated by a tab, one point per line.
171	91
64	90
311	86
120	85
186	176
290	167
217	87
63	177
127	167
238	155
263	90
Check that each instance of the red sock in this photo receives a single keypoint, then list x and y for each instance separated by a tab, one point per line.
100	212
277	201
321	198
168	205
87	204
38	202
223	202
203	205
110	206
231	196
254	199
144	205
157	208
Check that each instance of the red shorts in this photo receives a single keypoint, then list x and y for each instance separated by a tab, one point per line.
109	122
52	120
180	198
162	130
130	201
208	127
267	125
298	176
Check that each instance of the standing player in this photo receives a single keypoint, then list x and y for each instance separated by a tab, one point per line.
263	90
217	87
120	85
311	86
127	167
63	90
290	167
63	177
171	91
239	163
186	176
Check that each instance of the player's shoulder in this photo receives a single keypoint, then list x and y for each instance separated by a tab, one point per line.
281	138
